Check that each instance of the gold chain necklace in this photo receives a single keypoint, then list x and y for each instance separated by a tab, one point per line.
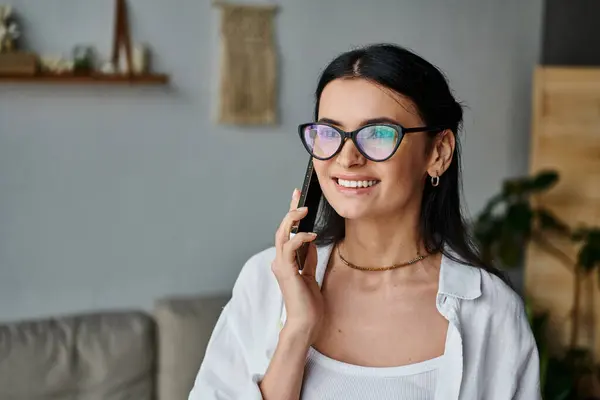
404	264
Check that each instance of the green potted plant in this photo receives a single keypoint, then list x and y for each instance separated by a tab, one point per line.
508	223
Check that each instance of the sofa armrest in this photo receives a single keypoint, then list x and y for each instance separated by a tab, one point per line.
185	325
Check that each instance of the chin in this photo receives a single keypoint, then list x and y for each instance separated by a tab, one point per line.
347	210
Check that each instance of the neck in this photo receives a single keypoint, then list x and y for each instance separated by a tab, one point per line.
380	242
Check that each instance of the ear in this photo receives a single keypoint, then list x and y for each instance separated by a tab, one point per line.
442	152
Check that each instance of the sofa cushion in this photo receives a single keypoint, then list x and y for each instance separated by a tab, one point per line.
184	328
101	356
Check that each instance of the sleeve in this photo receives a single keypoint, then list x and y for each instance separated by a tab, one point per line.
527	361
226	370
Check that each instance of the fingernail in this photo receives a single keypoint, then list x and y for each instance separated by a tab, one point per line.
312	234
302	209
295	192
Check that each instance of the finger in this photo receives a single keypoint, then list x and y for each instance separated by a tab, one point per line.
289	248
292	218
283	233
293	206
295	198
310	265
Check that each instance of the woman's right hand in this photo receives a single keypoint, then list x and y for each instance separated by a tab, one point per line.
300	290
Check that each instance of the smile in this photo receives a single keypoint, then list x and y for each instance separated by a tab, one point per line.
356	184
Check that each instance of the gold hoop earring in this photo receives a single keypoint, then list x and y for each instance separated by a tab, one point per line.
435	180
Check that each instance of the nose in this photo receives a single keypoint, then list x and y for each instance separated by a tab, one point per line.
349	156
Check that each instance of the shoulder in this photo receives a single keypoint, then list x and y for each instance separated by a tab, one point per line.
474	285
498	295
483	295
498	311
496	316
497	325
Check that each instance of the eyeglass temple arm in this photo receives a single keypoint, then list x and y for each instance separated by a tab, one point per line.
424	129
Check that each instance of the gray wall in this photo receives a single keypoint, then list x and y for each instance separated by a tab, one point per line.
112	197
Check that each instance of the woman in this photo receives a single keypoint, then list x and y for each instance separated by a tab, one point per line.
392	302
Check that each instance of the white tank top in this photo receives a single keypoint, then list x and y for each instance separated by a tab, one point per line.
329	379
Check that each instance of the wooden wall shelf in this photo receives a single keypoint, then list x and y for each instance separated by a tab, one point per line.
95	79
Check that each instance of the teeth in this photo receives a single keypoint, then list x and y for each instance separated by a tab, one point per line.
354	184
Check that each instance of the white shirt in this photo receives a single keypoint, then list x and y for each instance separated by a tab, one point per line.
490	351
329	379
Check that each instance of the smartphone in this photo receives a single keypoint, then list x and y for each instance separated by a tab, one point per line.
310	197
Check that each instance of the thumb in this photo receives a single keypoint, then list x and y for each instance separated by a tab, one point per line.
310	265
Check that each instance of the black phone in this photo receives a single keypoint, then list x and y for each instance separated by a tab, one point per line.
310	197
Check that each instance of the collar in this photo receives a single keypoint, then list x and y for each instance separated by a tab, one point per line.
459	280
456	279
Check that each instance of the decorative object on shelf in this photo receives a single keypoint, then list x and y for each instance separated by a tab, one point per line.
83	59
122	39
18	63
108	68
56	65
11	60
141	56
126	57
248	93
9	30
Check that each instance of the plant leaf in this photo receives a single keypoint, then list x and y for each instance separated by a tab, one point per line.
515	187
510	250
543	181
594	236
487	232
519	217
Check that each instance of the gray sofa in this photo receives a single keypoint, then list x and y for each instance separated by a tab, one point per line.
108	355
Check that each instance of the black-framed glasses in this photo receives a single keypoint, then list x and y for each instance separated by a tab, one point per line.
376	142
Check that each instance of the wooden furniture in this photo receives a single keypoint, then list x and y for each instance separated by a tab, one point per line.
93	79
566	137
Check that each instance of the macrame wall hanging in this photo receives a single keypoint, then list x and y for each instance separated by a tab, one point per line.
248	92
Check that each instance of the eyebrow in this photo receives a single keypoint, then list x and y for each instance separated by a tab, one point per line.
380	120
